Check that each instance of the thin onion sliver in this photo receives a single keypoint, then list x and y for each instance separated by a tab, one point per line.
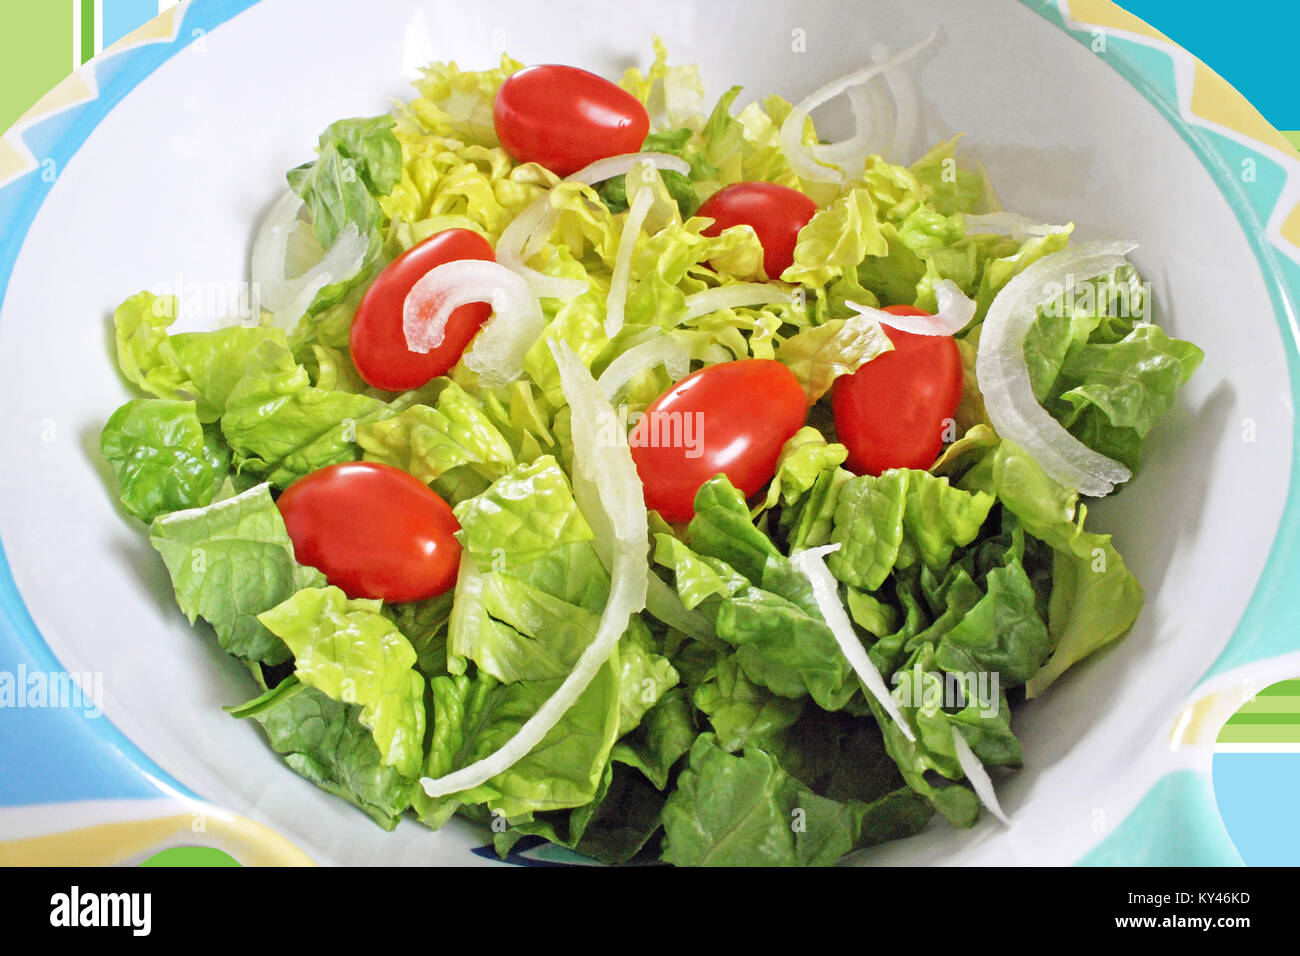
662	350
810	562
1002	223
978	776
616	300
738	295
611	471
954	313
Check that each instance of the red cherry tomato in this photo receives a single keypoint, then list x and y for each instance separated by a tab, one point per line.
378	343
777	213
892	412
727	419
373	530
565	118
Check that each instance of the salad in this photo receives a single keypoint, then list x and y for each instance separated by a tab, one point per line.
665	482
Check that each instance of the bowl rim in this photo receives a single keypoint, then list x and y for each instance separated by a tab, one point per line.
125	789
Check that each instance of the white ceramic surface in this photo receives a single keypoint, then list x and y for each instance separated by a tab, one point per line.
173	180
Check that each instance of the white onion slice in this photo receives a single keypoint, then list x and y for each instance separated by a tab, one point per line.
954	313
869	102
1018	227
288	315
977	775
598	172
524	237
271	249
803	159
618	506
511	252
738	295
907	109
616	300
661	350
497	352
606	485
1004	377
810	562
611	166
287	299
870	133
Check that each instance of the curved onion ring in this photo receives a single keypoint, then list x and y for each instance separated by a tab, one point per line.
804	159
598	172
1003	375
869	101
510	253
288	299
611	166
497	352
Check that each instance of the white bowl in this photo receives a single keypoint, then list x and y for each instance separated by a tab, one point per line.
173	173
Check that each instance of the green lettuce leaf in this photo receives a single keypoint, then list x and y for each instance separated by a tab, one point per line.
144	352
279	425
192	366
741	712
447	183
324	741
1104	372
819	355
357	160
836	239
1094	597
891	521
612	828
663	737
229	562
523	516
843	758
531	588
282	428
1123	389
986	611
951	188
745	810
929	762
759	604
458	103
163	459
348	650
807	522
424	624
474	716
723	529
514	628
644	676
429	442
